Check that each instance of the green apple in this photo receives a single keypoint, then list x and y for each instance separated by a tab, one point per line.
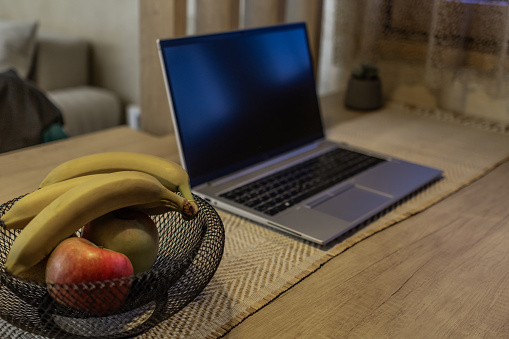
130	232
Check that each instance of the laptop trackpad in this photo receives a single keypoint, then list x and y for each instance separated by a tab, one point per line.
352	204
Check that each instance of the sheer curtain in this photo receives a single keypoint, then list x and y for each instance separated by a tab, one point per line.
446	54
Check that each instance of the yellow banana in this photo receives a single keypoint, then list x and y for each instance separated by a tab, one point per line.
152	210
169	173
25	209
80	205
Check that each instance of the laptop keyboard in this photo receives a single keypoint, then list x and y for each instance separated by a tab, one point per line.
283	189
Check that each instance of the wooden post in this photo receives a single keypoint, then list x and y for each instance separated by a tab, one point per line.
158	19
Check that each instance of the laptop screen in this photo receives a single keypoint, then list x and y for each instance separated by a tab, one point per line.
241	97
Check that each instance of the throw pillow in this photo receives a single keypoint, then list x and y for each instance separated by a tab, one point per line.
17	45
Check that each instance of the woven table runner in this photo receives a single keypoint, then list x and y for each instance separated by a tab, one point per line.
259	263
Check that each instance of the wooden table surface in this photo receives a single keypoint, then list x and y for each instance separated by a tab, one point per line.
443	273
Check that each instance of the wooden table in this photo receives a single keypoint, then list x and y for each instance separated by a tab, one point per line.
441	273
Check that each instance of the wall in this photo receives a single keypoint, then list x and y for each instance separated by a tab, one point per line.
110	25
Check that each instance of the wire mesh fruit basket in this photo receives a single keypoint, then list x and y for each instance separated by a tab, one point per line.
189	254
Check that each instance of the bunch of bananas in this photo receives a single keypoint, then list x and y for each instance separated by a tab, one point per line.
83	189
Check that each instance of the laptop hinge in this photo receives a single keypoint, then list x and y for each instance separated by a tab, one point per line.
267	163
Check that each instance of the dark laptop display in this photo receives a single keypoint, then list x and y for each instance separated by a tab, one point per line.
241	98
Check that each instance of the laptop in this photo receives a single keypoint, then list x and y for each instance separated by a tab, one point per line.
249	131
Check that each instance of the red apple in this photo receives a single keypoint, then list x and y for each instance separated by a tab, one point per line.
77	260
127	231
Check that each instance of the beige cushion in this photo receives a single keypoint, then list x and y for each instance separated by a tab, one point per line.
61	61
87	109
17	42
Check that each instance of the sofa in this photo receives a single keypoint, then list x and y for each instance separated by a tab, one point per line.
60	68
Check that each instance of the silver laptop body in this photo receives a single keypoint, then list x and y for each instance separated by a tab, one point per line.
244	106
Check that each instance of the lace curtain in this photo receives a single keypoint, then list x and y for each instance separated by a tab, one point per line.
447	54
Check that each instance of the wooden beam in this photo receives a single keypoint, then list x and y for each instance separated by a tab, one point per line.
158	19
264	12
216	16
309	11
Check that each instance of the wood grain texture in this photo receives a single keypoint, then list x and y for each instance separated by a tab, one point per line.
442	273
